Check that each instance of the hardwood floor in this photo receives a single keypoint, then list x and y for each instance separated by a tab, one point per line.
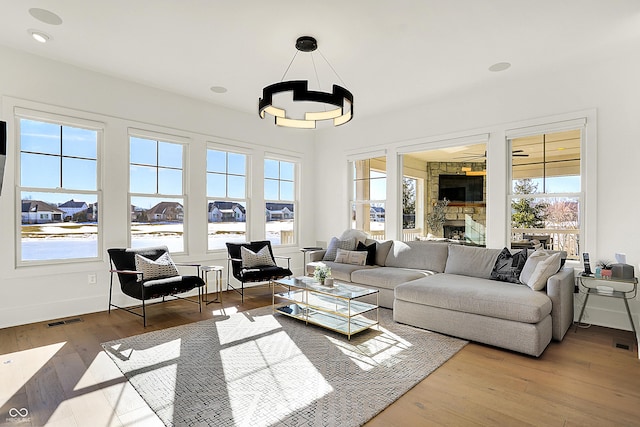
61	376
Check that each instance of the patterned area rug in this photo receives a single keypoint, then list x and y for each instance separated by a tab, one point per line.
258	369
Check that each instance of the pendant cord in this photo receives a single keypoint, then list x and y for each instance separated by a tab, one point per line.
315	70
290	63
333	69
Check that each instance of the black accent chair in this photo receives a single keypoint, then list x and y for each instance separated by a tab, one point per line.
133	284
257	274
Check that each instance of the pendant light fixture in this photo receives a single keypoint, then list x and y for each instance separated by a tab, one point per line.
336	105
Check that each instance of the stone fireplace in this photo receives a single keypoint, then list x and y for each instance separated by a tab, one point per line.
463	221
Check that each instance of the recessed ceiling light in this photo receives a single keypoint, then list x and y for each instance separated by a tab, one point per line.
39	36
46	16
218	89
500	66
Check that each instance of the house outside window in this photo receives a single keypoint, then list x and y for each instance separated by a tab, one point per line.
280	201
226	198
58	188
369	193
546	192
156	193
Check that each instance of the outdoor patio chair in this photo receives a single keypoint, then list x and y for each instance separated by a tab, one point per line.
155	276
254	268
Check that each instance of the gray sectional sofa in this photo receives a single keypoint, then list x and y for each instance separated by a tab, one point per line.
447	288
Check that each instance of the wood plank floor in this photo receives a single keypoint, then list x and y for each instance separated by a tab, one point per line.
61	376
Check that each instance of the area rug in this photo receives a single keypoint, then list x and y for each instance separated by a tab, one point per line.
259	369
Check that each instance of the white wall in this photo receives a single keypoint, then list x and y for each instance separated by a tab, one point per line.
29	294
608	85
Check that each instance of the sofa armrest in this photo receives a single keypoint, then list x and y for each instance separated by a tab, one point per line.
315	256
560	289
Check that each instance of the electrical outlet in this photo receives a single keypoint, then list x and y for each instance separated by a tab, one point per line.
92	279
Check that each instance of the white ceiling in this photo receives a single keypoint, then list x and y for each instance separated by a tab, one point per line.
389	54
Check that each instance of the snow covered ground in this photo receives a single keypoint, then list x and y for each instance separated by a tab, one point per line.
70	240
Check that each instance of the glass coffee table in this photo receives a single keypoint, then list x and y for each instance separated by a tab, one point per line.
337	308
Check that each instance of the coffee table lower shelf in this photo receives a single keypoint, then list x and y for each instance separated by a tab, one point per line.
344	325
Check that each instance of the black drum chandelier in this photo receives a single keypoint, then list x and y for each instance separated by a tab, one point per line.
336	105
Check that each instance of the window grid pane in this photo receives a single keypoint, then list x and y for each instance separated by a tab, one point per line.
155	167
280	197
226	204
545	198
59	210
156	200
369	193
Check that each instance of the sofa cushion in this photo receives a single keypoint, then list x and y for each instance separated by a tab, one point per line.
335	244
419	255
351	257
387	277
471	261
509	266
357	235
479	296
382	250
370	250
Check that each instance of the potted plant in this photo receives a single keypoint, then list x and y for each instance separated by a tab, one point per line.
605	269
321	272
437	216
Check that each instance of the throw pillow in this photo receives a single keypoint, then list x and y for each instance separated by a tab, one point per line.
251	259
351	257
370	250
335	244
509	266
545	269
382	250
158	269
533	259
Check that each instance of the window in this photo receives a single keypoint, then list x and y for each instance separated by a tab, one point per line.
444	192
412	207
546	194
369	195
58	190
156	193
226	198
280	201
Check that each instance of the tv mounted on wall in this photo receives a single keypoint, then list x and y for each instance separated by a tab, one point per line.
461	188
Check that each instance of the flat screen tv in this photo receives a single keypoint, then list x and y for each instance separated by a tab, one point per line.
461	188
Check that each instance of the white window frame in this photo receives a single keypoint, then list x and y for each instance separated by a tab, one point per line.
172	139
586	123
296	195
58	120
247	199
351	160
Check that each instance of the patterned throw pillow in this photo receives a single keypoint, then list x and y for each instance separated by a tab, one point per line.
508	267
335	244
158	269
251	259
351	257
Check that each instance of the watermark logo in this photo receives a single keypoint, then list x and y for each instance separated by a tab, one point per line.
18	415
